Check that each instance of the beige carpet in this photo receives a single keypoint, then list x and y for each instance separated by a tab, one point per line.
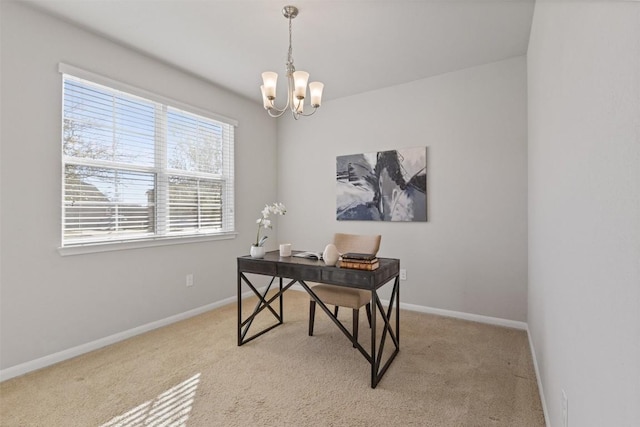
449	372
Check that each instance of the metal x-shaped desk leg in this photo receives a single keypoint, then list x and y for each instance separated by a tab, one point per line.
263	303
375	357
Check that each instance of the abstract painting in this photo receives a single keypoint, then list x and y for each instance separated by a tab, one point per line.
382	186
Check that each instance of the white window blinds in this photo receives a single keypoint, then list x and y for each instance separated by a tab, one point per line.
135	168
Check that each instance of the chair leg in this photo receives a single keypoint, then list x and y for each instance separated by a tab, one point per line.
335	311
356	319
368	308
312	316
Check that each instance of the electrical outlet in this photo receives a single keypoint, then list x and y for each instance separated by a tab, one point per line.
403	274
189	279
565	410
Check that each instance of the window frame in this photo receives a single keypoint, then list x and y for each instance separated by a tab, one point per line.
161	173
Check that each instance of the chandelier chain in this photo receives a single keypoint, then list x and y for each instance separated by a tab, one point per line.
290	67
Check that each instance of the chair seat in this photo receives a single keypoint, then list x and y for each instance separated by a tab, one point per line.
343	297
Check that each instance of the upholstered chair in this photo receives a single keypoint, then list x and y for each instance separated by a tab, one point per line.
339	296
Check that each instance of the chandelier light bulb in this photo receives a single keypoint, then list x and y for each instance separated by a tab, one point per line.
266	103
269	81
300	79
315	90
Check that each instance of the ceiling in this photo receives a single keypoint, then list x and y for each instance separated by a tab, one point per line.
352	46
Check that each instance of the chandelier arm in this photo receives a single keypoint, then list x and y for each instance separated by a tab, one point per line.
310	114
279	110
275	116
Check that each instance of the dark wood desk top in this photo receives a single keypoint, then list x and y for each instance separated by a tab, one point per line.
317	271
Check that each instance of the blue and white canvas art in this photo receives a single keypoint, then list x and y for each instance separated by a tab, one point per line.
382	186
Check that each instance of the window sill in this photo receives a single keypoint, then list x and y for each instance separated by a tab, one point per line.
89	248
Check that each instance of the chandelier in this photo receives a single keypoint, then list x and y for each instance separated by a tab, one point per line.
296	80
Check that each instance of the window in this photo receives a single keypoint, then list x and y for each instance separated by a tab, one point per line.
136	168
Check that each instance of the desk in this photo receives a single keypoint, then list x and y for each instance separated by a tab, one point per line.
299	270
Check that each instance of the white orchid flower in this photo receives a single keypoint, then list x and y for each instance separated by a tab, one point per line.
276	208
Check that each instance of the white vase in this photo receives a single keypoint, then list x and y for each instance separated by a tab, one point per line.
330	254
257	251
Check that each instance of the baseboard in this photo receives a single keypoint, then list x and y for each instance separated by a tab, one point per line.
449	313
538	378
60	356
466	316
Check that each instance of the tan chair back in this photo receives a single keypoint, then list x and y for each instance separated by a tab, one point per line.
357	243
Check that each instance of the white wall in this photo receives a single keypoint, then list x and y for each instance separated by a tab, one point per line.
51	303
471	256
584	209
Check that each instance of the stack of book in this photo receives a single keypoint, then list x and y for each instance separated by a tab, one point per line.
359	261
